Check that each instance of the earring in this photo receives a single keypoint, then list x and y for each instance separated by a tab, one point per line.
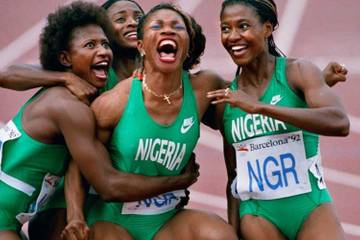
142	53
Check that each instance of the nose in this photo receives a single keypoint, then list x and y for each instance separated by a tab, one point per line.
132	22
167	30
234	35
104	51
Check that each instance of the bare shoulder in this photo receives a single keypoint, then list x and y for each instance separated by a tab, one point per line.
301	73
109	106
206	80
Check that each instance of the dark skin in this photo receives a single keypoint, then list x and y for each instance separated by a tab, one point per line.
164	76
241	27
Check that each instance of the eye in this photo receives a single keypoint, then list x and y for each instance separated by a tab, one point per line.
120	20
179	26
244	26
155	26
225	29
106	45
90	45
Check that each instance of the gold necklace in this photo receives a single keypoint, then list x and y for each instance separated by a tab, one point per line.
165	97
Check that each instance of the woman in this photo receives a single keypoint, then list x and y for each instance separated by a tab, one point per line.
34	154
271	117
158	117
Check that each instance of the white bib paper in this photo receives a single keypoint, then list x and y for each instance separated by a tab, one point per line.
155	205
272	167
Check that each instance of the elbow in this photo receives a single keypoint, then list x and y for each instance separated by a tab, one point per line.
344	128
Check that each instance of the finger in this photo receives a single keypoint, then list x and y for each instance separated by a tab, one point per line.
218	101
218	93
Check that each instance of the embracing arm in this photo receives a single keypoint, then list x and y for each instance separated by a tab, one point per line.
307	79
24	77
94	162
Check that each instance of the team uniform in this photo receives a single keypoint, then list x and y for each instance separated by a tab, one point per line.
279	174
57	200
140	145
29	172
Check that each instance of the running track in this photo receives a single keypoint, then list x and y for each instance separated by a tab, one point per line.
320	31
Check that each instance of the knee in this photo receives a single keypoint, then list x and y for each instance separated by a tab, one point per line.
216	229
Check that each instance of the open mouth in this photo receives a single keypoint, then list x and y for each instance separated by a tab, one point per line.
131	35
167	50
238	49
101	69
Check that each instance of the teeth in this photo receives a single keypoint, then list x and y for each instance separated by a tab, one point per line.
102	64
130	34
167	42
237	48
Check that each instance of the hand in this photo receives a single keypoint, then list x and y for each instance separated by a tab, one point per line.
79	87
334	73
191	170
236	98
75	230
184	200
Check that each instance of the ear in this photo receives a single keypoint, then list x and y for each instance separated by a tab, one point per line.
140	47
64	59
268	29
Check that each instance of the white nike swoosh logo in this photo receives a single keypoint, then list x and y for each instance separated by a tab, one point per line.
185	128
274	101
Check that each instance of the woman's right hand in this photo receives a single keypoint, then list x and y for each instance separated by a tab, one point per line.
75	230
79	87
191	170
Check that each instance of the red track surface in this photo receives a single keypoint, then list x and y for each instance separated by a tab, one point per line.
328	31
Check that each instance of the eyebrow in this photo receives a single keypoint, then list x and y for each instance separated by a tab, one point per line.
124	11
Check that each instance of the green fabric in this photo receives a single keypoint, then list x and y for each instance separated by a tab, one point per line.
28	160
289	213
136	127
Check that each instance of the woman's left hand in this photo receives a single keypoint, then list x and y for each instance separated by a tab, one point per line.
75	230
236	98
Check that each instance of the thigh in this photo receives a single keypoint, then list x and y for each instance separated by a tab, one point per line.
9	235
322	224
255	227
47	225
195	224
108	231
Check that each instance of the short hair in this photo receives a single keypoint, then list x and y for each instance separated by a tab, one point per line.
106	5
56	34
194	30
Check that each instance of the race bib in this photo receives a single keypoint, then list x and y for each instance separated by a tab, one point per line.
155	205
8	132
272	167
47	189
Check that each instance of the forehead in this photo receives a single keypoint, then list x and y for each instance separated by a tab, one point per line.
83	33
238	11
165	15
123	6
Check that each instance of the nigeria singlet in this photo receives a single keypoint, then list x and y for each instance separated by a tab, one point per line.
142	146
29	172
279	175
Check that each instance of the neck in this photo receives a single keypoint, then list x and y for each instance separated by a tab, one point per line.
125	62
258	71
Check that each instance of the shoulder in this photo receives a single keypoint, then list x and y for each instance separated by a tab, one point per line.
109	106
206	80
301	73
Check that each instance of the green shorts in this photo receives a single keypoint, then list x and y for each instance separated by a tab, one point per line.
140	227
287	214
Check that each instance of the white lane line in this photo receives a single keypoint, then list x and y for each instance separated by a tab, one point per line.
189	6
290	22
24	43
221	203
214	141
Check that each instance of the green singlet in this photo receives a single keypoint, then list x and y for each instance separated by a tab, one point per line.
24	164
287	213
142	146
57	200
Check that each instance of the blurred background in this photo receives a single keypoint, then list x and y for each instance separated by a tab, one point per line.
317	30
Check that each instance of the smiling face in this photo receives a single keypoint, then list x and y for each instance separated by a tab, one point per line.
165	40
242	33
125	16
89	55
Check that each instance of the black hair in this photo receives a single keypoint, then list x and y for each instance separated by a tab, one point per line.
106	5
194	30
266	10
57	33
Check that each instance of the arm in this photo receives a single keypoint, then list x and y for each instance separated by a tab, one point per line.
78	127
75	194
24	77
307	79
334	73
